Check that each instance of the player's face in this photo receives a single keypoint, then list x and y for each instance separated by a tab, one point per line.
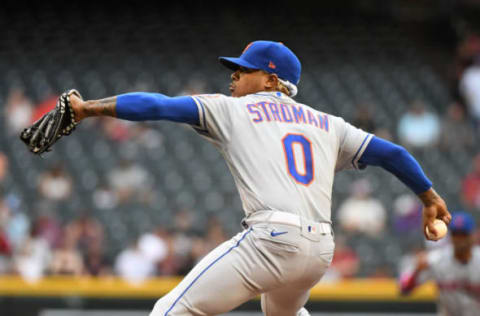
462	242
247	81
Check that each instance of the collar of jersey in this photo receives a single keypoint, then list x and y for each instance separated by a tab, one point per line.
276	94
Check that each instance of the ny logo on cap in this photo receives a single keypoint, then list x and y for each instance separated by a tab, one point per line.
458	222
271	65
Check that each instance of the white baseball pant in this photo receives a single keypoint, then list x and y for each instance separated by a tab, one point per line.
281	262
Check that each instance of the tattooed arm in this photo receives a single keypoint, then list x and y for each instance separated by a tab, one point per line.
139	106
103	107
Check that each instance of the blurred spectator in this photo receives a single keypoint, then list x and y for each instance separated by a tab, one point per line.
363	119
199	250
457	133
189	246
3	167
133	265
186	248
33	256
361	212
47	104
407	214
5	245
467	51
17	223
418	128
128	179
345	263
117	130
171	264
86	231
87	235
147	137
215	233
104	197
67	259
47	227
18	110
195	86
183	222
5	252
471	185
183	230
55	184
153	246
95	261
469	88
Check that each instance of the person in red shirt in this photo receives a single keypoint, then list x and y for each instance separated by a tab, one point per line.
4	244
471	185
44	106
5	252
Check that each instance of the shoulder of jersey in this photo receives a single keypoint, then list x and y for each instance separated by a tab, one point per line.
476	251
441	253
212	96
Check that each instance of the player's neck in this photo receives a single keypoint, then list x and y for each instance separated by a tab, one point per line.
463	256
284	91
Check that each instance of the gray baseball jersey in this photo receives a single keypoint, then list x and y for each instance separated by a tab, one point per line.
282	154
458	284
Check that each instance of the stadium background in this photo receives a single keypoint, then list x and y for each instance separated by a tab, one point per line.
112	182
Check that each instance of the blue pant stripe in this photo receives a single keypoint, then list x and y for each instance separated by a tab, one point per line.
204	270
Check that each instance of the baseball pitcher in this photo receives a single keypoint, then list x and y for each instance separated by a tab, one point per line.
283	156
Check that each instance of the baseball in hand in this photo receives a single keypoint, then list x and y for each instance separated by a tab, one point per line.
441	228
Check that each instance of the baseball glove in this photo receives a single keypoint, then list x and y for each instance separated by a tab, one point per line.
44	133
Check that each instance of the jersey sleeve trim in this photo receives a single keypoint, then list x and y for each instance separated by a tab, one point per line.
360	151
202	128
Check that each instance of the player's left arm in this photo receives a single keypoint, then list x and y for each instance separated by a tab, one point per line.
410	280
139	106
398	161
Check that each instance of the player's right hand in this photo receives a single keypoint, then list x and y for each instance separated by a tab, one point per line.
434	207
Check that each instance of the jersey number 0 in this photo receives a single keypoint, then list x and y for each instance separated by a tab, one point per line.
306	176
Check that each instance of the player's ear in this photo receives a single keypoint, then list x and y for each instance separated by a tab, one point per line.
271	81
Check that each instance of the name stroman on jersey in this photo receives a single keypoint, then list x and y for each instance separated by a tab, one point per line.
301	146
265	111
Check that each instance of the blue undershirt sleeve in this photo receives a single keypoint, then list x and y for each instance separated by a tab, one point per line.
398	161
143	106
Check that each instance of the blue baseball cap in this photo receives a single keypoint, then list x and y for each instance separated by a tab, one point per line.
462	222
272	57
